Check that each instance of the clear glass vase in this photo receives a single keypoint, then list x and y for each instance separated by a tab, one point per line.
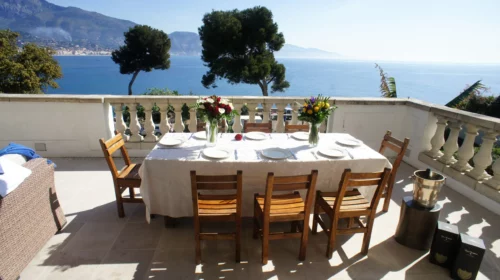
212	130
314	134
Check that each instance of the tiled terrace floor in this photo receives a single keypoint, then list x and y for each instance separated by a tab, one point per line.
96	244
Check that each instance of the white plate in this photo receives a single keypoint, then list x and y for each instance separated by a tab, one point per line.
276	153
216	153
256	135
332	152
202	135
349	142
301	135
170	142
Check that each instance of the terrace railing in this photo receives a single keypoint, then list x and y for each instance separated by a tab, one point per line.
459	144
278	110
466	154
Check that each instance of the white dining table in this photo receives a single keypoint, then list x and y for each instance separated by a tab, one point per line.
165	172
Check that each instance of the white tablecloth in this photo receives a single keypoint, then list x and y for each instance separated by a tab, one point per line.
166	188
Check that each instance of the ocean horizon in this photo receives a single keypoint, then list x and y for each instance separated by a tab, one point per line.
429	81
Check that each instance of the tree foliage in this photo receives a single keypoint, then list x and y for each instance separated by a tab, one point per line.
239	46
29	70
475	89
387	84
145	49
473	99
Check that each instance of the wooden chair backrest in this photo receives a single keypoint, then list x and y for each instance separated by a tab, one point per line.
260	127
109	147
396	145
290	183
202	126
296	127
214	183
362	180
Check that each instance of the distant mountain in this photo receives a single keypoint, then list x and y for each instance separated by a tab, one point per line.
73	28
292	51
185	43
46	21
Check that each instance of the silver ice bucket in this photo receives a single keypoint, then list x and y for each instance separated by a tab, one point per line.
426	187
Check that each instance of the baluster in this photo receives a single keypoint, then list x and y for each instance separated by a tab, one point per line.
280	124
225	126
193	120
451	145
483	158
149	125
295	112
494	182
135	126
237	127
251	112
466	151
266	111
164	124
179	124
322	127
120	124
437	140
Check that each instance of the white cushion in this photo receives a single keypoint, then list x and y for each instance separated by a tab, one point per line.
15	158
13	176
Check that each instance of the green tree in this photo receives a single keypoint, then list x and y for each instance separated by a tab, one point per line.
387	84
474	99
475	89
31	69
239	46
145	49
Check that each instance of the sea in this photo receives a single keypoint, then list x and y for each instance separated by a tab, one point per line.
432	82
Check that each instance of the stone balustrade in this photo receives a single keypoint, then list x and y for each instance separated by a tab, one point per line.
462	146
456	143
145	130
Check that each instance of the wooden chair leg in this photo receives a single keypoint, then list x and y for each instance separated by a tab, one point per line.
119	203
315	218
366	238
303	241
131	192
197	241
265	242
331	239
238	239
387	199
255	221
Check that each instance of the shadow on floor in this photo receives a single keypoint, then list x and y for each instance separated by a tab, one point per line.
96	244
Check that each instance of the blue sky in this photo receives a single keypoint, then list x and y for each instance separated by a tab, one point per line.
394	30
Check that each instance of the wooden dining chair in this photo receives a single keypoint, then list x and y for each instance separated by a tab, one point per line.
125	178
216	207
202	126
350	204
288	207
399	147
290	128
260	127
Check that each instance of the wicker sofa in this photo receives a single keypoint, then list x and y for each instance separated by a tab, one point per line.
29	216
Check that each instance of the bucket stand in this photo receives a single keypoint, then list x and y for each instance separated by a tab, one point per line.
416	224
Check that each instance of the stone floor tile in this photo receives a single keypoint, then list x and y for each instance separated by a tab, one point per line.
124	264
74	264
139	236
95	236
